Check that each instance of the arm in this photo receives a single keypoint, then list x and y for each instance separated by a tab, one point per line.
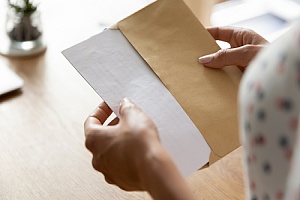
129	154
245	44
161	177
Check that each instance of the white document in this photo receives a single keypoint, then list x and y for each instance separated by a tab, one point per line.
114	69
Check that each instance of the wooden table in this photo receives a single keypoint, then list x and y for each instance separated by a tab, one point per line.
41	128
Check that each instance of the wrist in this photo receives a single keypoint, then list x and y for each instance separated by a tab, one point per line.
150	166
160	177
149	163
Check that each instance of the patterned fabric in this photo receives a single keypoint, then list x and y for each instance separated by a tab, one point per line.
293	186
269	102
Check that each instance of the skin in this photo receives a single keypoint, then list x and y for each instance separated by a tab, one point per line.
128	151
245	44
129	154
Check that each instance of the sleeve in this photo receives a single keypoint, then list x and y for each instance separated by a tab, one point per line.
269	109
293	184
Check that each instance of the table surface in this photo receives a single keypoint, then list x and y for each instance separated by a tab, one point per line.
42	141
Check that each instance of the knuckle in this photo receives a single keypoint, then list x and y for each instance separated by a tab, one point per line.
89	140
221	52
222	55
108	179
251	31
85	125
248	51
95	164
88	128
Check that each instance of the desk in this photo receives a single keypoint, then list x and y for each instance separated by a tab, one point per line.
42	142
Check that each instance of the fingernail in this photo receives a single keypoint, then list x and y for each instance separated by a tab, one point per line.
125	103
125	100
205	59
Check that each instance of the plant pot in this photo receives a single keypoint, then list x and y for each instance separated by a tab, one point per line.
23	26
24	33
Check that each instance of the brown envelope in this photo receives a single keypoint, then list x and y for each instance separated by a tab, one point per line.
170	39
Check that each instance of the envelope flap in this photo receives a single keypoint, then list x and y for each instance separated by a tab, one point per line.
170	39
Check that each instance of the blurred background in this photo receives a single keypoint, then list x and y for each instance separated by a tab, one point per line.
268	17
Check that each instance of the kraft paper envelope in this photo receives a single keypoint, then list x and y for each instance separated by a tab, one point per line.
170	39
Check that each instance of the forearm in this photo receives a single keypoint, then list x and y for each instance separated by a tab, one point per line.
161	177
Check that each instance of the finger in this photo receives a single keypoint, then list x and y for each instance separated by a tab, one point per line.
128	188
241	68
235	36
109	180
99	116
115	121
133	117
220	33
124	187
240	56
102	112
98	139
126	105
98	164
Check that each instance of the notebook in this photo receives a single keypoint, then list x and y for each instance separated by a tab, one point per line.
9	80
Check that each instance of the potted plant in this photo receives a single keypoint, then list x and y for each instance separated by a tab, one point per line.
23	22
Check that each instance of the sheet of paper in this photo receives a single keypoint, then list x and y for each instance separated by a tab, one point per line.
115	70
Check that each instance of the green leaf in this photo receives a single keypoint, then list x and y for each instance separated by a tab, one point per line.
23	6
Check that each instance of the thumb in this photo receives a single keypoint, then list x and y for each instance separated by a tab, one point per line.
134	116
126	107
240	56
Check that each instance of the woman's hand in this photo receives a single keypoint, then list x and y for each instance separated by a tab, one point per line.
120	148
245	44
129	154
